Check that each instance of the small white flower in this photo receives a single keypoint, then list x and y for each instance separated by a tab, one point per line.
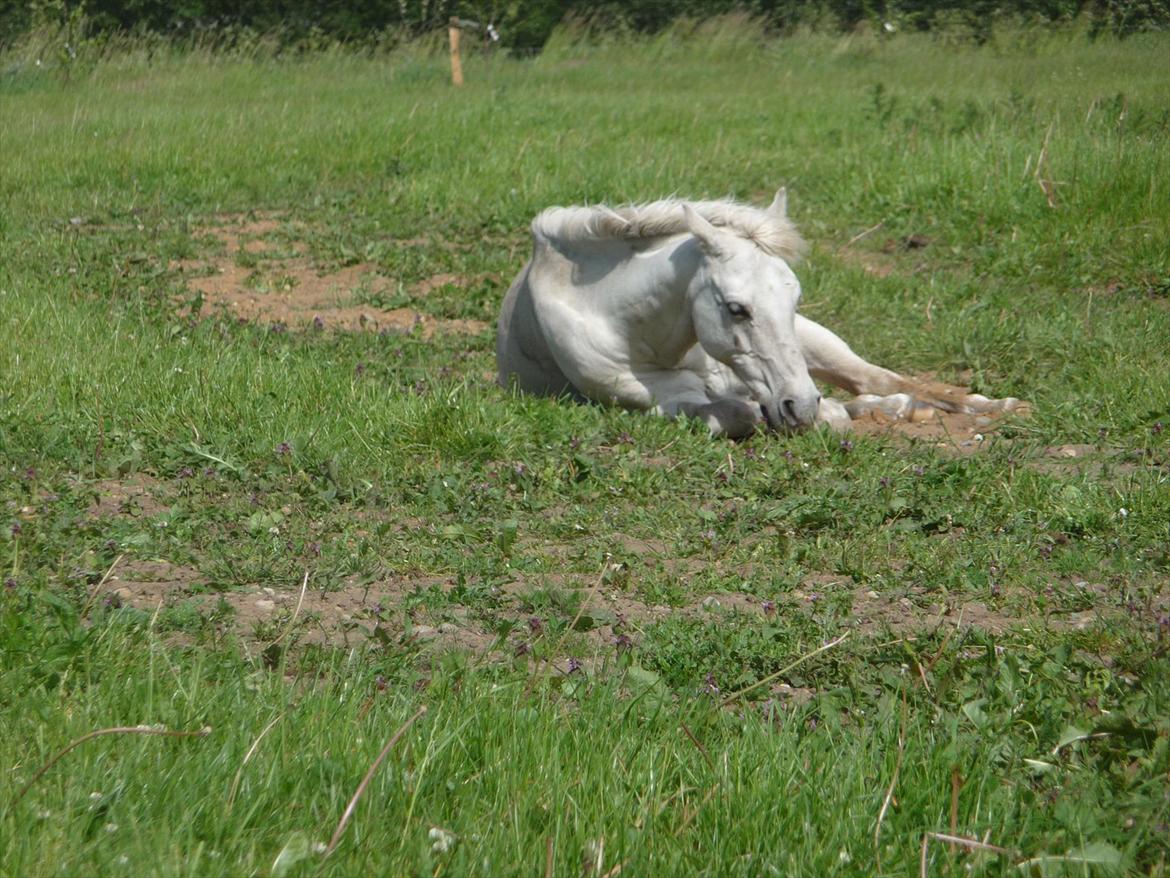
95	797
844	857
111	827
441	840
319	847
1123	512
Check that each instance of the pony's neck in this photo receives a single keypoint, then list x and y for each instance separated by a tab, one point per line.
658	319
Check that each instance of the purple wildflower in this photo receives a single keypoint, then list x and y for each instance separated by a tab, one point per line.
278	328
283	449
846	445
535	625
318	323
709	685
186	472
769	608
380	683
622	642
574	666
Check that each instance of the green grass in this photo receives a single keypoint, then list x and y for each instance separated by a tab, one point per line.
393	470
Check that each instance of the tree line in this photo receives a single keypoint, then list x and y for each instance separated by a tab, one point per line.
524	25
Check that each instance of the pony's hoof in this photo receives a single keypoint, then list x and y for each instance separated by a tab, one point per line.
897	406
834	415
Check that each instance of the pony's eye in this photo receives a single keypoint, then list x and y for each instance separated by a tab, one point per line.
737	310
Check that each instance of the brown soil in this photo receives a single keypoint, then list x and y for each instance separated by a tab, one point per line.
349	615
953	433
133	495
259	273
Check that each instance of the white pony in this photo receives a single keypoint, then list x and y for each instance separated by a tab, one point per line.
689	308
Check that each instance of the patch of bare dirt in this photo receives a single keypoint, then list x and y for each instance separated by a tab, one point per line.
954	433
259	273
132	495
340	617
1097	461
874	264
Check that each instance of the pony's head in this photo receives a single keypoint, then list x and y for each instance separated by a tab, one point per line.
743	303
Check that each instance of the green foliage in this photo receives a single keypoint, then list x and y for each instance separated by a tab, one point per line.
525	25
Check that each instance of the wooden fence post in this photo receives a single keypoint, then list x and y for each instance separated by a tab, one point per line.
453	33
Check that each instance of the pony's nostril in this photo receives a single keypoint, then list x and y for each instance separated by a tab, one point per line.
789	407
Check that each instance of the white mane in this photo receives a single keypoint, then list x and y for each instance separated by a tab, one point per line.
772	233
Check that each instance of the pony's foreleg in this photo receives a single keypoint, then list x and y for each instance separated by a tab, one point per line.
681	392
830	359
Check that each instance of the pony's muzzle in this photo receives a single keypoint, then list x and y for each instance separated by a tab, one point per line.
792	413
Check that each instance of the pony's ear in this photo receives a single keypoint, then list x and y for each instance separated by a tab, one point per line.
710	238
779	205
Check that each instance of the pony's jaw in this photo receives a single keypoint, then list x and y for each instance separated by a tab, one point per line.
780	384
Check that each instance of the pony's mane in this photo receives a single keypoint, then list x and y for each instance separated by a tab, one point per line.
770	232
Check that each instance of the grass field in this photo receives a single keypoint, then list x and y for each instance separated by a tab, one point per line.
257	477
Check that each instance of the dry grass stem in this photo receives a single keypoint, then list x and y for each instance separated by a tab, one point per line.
734	696
956	785
349	809
698	744
861	235
972	844
889	797
247	756
292	619
116	730
101	583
